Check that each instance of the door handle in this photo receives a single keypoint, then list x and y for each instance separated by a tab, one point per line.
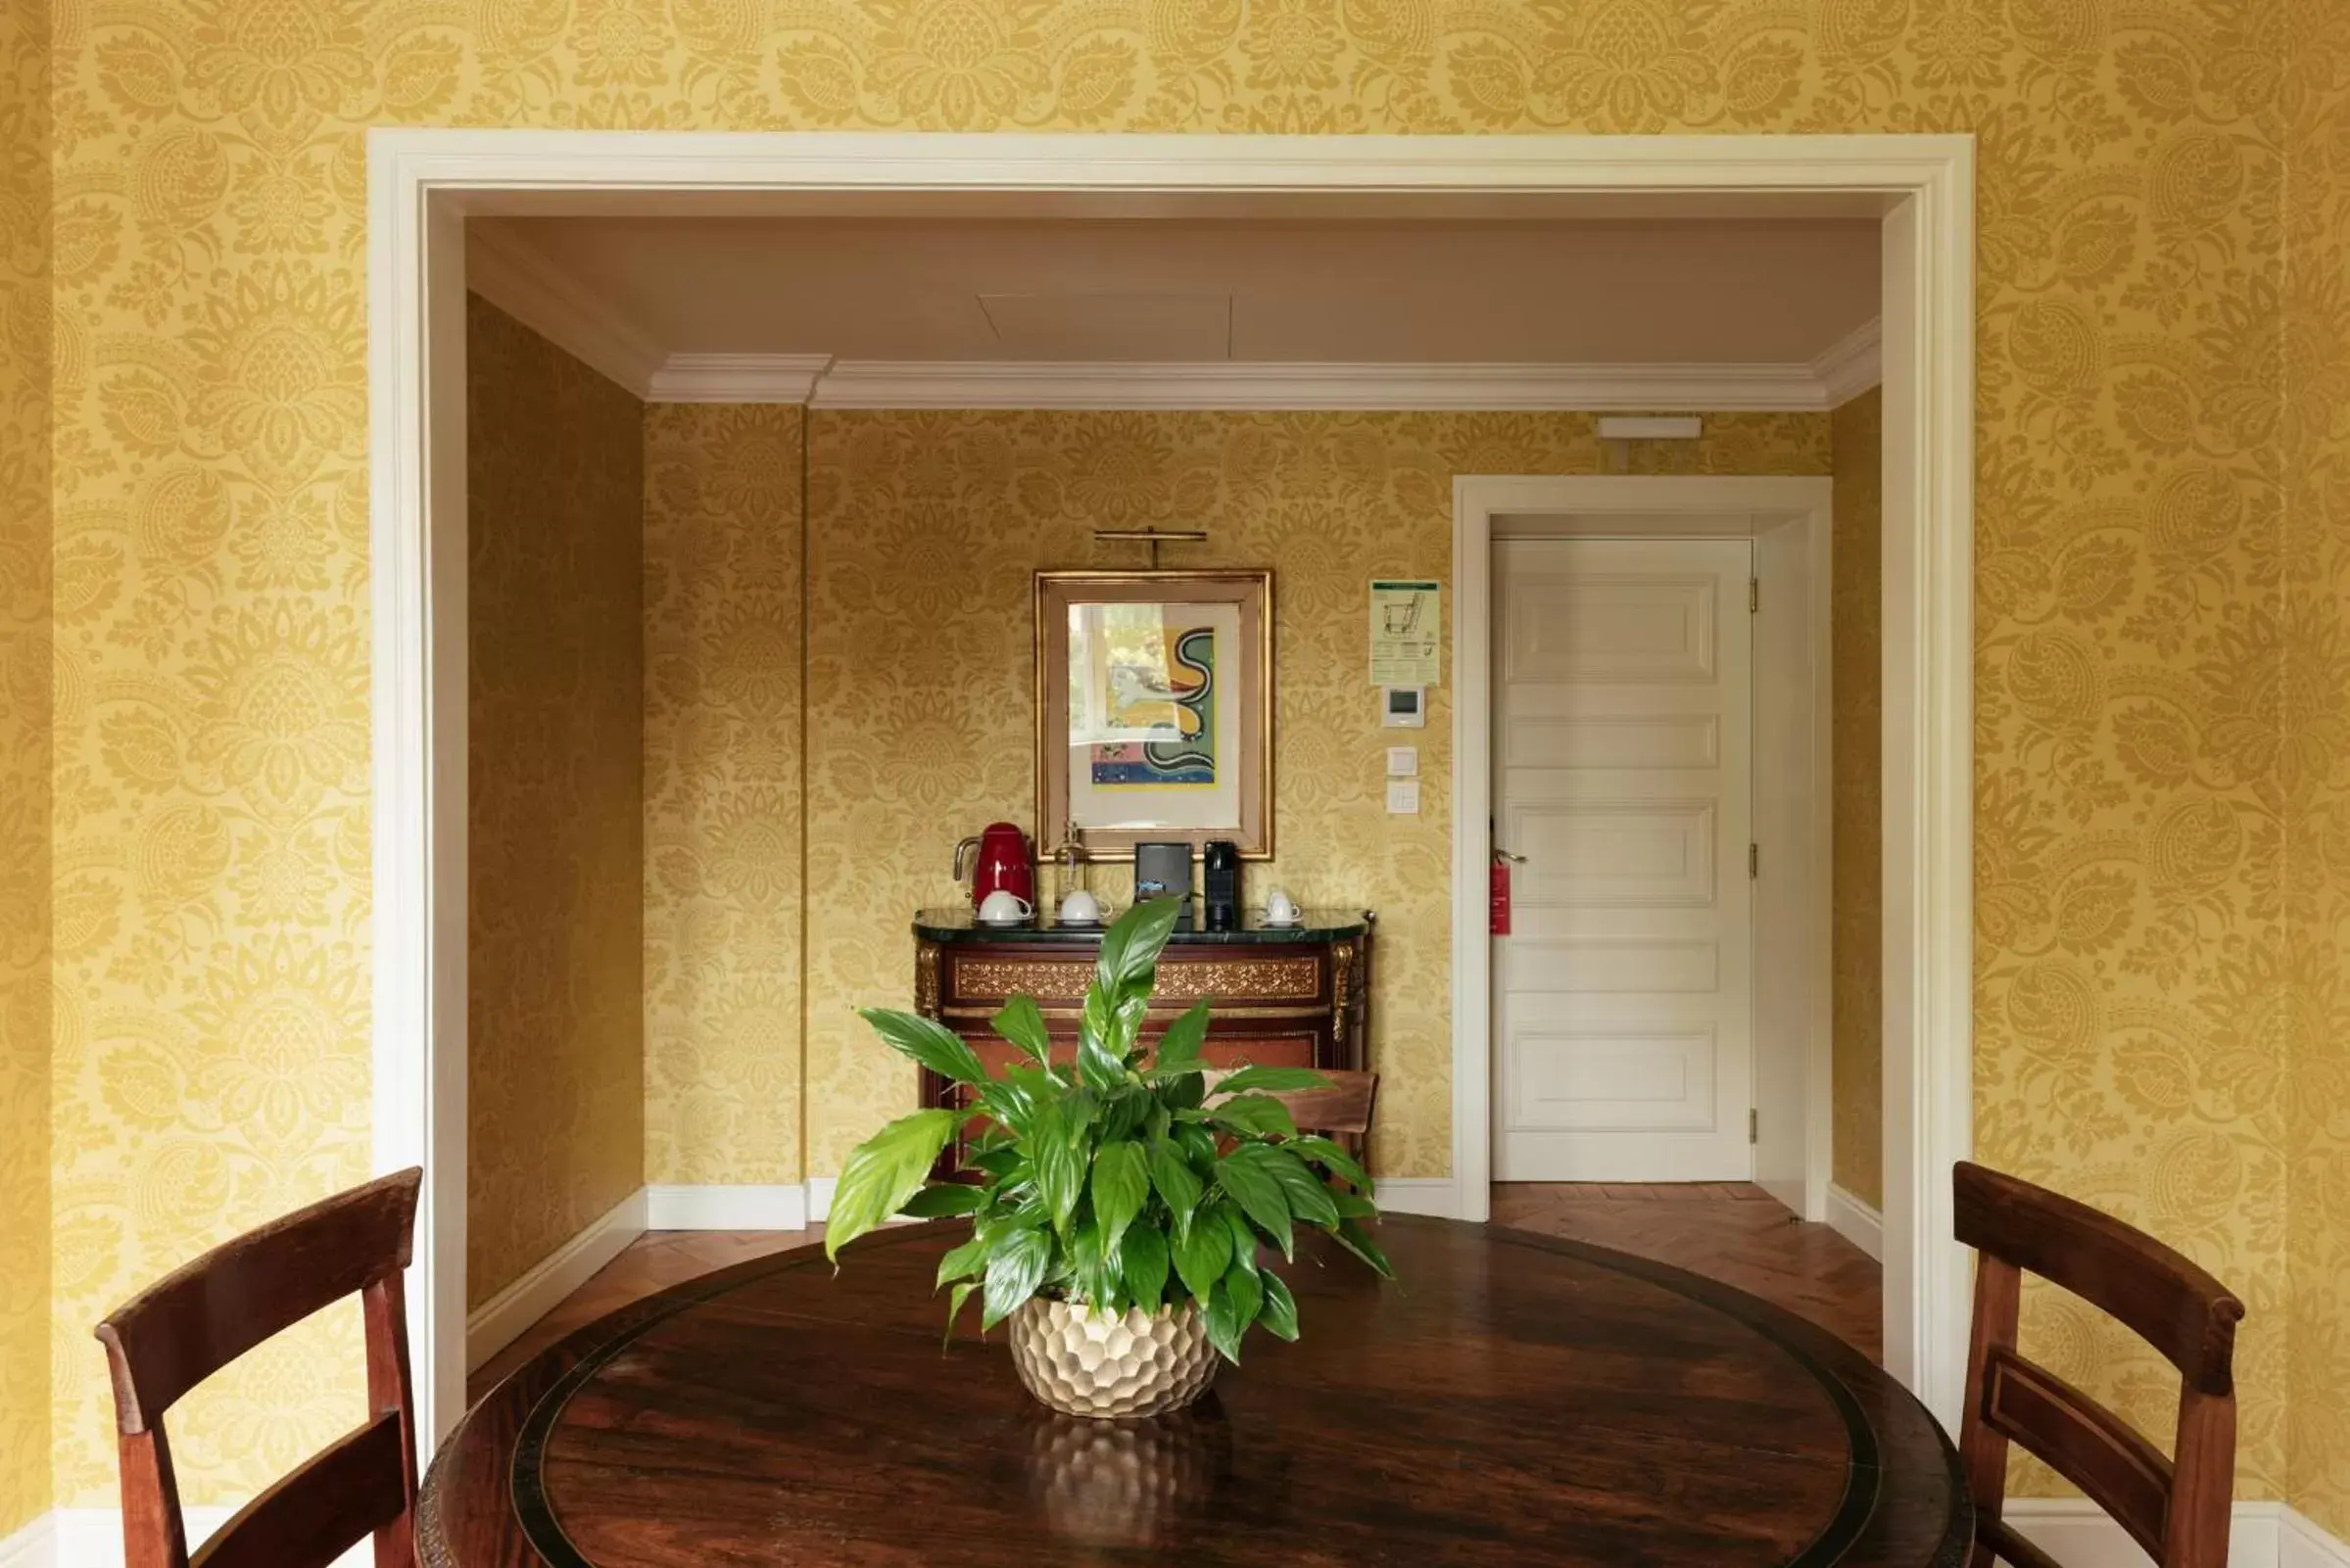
1501	854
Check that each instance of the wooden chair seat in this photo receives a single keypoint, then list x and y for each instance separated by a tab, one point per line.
2177	1507
200	1317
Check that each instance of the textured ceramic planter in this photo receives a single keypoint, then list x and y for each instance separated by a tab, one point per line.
1100	1365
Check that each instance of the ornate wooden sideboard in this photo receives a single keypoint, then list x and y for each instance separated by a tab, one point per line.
1287	996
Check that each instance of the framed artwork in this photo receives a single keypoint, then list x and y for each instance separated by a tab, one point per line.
1154	709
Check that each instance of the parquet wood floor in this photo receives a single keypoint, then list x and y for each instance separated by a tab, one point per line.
1729	1231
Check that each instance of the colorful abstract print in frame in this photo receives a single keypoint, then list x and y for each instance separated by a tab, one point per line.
1179	701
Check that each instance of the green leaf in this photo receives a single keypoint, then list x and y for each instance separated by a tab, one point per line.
1013	1274
1101	1060
1355	1239
954	1307
1130	951
1128	1109
1201	1256
927	1041
1120	1187
998	1163
1354	1206
882	1172
1179	1047
1091	1265
1183	1093
1253	1115
1245	1240
1309	1200
1179	1186
1142	1257
1280	1317
968	1258
1022	1023
1270	1080
1258	1194
1232	1305
1330	1156
1057	1153
942	1198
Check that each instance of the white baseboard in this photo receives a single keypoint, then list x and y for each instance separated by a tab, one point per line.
820	1198
2300	1544
1438	1197
495	1323
761	1207
2262	1535
34	1547
1856	1222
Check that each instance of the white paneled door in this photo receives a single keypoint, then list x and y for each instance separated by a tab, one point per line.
1622	771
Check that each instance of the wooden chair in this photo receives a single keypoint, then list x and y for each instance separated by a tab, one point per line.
2177	1508
1342	1110
187	1326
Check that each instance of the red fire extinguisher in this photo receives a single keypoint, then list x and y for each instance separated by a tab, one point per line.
1502	860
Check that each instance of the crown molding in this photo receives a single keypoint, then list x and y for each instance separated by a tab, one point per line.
1853	364
527	285
1106	385
739	378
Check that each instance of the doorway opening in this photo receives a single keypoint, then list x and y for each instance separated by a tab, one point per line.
428	184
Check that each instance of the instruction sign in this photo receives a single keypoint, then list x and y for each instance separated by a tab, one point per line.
1406	633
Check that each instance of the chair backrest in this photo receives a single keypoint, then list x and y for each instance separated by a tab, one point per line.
198	1319
1343	1109
2178	1507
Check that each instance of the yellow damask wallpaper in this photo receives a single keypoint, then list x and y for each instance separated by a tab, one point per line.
723	824
2312	1021
25	707
556	804
2139	1001
1858	879
924	529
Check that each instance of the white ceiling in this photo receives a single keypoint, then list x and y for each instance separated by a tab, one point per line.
1619	293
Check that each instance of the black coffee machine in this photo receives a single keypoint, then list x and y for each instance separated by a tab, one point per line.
1220	873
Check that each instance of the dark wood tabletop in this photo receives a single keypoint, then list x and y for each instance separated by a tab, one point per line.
1515	1400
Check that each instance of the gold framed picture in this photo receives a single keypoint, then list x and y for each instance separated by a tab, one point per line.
1154	709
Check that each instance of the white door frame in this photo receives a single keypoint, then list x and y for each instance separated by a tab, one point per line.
422	184
1764	510
1928	703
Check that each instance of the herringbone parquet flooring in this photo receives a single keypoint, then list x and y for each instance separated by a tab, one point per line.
1731	1231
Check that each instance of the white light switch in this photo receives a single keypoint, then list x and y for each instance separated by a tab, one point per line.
1403	762
1403	798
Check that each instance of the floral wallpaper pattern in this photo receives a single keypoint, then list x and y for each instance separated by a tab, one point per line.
554	1065
723	585
2140	1005
2311	1021
1855	598
25	551
925	530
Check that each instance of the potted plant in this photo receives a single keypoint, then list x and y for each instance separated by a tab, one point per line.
1118	1215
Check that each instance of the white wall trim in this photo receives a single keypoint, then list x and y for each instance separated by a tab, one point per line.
1855	1221
1438	1197
1851	366
736	378
726	1208
1928	684
424	183
1235	384
34	1547
530	286
497	1322
2302	1544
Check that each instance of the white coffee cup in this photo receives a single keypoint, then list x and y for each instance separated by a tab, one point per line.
1081	908
1280	908
1004	907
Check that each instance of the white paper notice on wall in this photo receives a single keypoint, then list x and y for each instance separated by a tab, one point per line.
1406	633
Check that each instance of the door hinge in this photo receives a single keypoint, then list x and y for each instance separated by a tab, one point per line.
1754	1125
1753	861
1753	596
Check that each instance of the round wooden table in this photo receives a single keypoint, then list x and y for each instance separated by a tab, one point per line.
1515	1400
